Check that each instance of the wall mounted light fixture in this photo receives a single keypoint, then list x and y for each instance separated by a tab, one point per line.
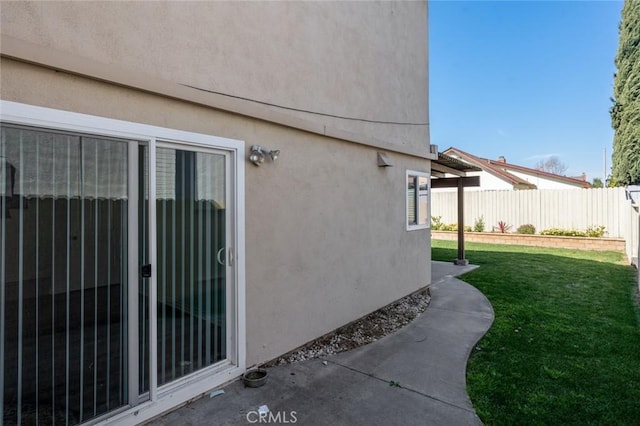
259	153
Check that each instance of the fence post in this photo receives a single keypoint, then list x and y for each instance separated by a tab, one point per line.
638	246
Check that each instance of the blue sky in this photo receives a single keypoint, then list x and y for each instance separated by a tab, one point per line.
524	79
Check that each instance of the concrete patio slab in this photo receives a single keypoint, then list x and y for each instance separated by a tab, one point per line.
430	355
415	376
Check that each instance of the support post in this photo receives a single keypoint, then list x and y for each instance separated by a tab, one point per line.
461	260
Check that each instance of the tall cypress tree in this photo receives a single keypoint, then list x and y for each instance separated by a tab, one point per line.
625	112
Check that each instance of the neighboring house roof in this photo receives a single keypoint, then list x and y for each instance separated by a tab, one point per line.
501	169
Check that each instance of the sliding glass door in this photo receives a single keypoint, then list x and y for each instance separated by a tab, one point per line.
63	273
116	272
192	257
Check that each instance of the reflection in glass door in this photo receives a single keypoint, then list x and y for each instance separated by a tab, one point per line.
63	276
191	215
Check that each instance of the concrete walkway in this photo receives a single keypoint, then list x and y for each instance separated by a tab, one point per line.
415	376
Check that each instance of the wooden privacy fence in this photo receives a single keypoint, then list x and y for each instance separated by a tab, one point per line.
547	208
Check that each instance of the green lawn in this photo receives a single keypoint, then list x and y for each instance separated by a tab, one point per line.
565	344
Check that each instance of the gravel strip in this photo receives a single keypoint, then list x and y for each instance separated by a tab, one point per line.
360	332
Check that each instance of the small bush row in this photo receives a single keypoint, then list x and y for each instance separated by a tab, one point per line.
529	229
437	225
558	232
592	231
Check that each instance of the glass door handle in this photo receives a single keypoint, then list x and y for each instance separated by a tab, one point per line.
219	258
145	271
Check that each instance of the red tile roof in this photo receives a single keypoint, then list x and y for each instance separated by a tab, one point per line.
501	169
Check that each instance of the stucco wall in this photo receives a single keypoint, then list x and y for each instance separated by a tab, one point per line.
325	227
365	60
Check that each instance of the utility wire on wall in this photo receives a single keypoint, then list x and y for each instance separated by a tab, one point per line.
307	111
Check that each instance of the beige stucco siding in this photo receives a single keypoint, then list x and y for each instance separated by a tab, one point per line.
365	60
325	227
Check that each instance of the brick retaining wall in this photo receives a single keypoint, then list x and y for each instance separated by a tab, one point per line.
580	243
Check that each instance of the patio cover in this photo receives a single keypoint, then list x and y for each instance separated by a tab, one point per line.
449	172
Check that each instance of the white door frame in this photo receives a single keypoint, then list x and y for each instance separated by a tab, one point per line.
230	273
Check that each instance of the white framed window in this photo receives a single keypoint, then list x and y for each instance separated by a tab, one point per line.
417	200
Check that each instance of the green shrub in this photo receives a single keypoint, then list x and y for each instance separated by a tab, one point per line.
526	229
478	225
559	232
450	227
596	231
436	223
592	231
